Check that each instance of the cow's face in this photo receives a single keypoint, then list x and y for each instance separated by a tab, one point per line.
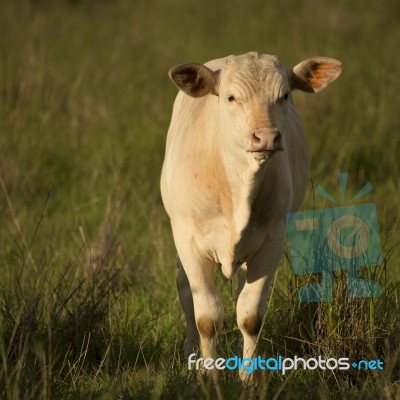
254	96
253	93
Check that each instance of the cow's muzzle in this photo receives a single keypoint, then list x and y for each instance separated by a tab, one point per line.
265	140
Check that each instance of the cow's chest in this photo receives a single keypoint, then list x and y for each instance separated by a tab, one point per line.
231	242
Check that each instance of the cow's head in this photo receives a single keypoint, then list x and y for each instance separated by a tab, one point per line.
254	95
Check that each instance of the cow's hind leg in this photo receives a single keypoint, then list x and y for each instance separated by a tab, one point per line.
186	300
241	280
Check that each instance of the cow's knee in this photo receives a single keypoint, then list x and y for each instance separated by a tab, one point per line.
208	327
251	325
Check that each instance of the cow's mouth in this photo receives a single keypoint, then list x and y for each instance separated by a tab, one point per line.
264	154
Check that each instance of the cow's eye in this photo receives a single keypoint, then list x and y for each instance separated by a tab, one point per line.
283	98
231	98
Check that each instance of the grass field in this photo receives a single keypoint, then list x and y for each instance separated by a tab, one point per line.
87	263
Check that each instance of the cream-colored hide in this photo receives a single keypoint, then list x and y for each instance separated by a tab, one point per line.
236	163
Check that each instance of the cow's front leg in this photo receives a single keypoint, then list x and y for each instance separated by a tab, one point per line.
207	305
251	303
250	311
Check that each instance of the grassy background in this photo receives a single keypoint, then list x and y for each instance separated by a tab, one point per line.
87	293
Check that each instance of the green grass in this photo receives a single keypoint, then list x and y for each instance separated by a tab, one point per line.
88	307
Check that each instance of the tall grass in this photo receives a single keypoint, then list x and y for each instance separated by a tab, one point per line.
88	307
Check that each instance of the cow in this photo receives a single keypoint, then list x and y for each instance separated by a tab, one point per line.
236	162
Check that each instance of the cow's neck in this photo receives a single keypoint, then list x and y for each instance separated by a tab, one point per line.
244	176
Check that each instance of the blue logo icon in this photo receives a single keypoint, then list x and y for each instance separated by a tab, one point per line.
332	239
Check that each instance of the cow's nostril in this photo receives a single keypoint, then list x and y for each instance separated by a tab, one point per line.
277	138
256	138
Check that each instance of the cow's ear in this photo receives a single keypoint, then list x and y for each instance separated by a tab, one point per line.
194	79
314	74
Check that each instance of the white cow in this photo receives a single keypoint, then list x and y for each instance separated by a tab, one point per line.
236	163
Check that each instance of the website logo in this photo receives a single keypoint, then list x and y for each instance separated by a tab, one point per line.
331	239
282	364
